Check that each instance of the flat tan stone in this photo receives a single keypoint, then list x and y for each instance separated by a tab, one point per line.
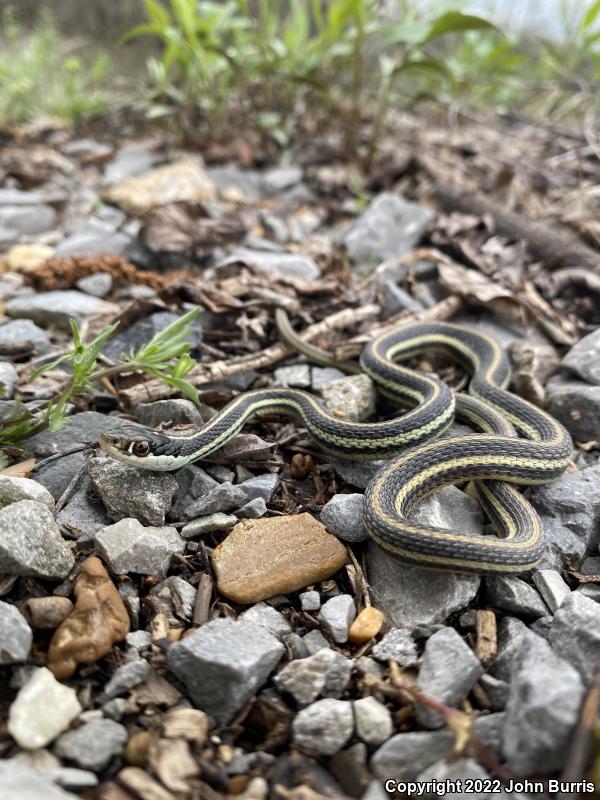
185	180
264	557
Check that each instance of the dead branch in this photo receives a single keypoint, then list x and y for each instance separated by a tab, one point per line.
219	370
544	243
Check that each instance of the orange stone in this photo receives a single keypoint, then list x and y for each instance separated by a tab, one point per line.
98	620
264	557
367	625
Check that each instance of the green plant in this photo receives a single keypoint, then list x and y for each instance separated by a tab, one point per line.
40	75
165	356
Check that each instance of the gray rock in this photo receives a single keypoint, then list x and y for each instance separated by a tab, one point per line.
15	635
94	236
296	646
24	220
127	491
31	544
220	473
18	782
449	670
131	161
390	226
23	336
575	633
324	727
140	640
496	690
454	775
222	497
213	522
373	721
552	587
412	596
512	634
172	412
84	514
397	645
351	397
576	404
278	266
570	510
180	596
337	614
98	285
193	482
315	641
357	473
511	594
129	547
126	677
14	489
8	380
92	745
541	711
322	376
223	664
81	429
261	486
293	375
542	626
310	601
276	179
406	755
142	330
252	510
325	673
268	618
58	308
73	778
584	358
343	516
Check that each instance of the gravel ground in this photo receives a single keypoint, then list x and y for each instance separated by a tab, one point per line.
228	629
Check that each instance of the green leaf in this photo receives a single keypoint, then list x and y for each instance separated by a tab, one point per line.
424	65
591	15
47	367
456	22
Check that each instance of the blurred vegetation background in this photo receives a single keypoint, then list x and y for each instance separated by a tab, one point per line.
204	66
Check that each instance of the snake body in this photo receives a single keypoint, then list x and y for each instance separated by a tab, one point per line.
516	443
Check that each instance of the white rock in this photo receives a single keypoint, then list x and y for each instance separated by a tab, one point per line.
42	710
373	721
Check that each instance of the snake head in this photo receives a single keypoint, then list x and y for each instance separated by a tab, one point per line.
138	446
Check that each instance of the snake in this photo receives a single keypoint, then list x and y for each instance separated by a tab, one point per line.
514	443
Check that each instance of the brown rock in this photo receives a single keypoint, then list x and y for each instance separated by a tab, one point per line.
186	723
264	557
367	625
46	613
183	181
98	620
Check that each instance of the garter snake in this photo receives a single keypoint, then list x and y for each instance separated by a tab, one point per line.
516	443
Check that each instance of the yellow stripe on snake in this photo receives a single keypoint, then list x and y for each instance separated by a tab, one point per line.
516	443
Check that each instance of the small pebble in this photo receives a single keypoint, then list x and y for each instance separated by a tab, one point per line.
366	625
310	601
337	615
373	721
552	587
42	710
324	727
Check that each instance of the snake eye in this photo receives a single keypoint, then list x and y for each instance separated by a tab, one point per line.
141	449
